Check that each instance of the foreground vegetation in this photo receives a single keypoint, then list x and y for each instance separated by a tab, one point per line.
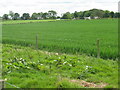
25	67
73	36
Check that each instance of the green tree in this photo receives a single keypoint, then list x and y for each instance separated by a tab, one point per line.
25	16
76	14
112	14
5	16
40	15
106	14
45	15
67	15
117	15
34	16
58	17
16	16
96	13
52	14
81	15
11	13
87	14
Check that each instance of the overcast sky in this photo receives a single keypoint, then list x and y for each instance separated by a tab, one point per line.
61	6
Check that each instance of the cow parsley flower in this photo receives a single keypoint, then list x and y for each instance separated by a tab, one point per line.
64	62
41	64
70	65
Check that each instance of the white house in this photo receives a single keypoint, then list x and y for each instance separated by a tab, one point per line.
9	17
96	17
58	19
87	18
38	18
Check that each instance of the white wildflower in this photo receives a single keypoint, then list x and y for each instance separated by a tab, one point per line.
5	79
59	57
33	62
56	53
28	67
70	65
10	63
20	58
41	64
64	62
86	67
23	59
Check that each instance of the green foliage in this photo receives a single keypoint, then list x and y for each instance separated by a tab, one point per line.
67	15
25	16
86	13
76	14
34	16
5	16
52	14
29	68
16	16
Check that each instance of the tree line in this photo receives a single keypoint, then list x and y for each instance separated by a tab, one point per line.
93	13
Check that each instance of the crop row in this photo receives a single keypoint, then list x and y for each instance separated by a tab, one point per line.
75	37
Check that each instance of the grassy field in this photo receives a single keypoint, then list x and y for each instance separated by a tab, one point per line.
23	21
73	37
25	67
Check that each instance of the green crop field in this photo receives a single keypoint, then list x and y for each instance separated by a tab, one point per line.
73	36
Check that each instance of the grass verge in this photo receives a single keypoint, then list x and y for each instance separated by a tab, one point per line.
26	67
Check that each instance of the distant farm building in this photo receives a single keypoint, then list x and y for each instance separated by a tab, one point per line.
38	18
57	19
96	17
10	17
87	18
